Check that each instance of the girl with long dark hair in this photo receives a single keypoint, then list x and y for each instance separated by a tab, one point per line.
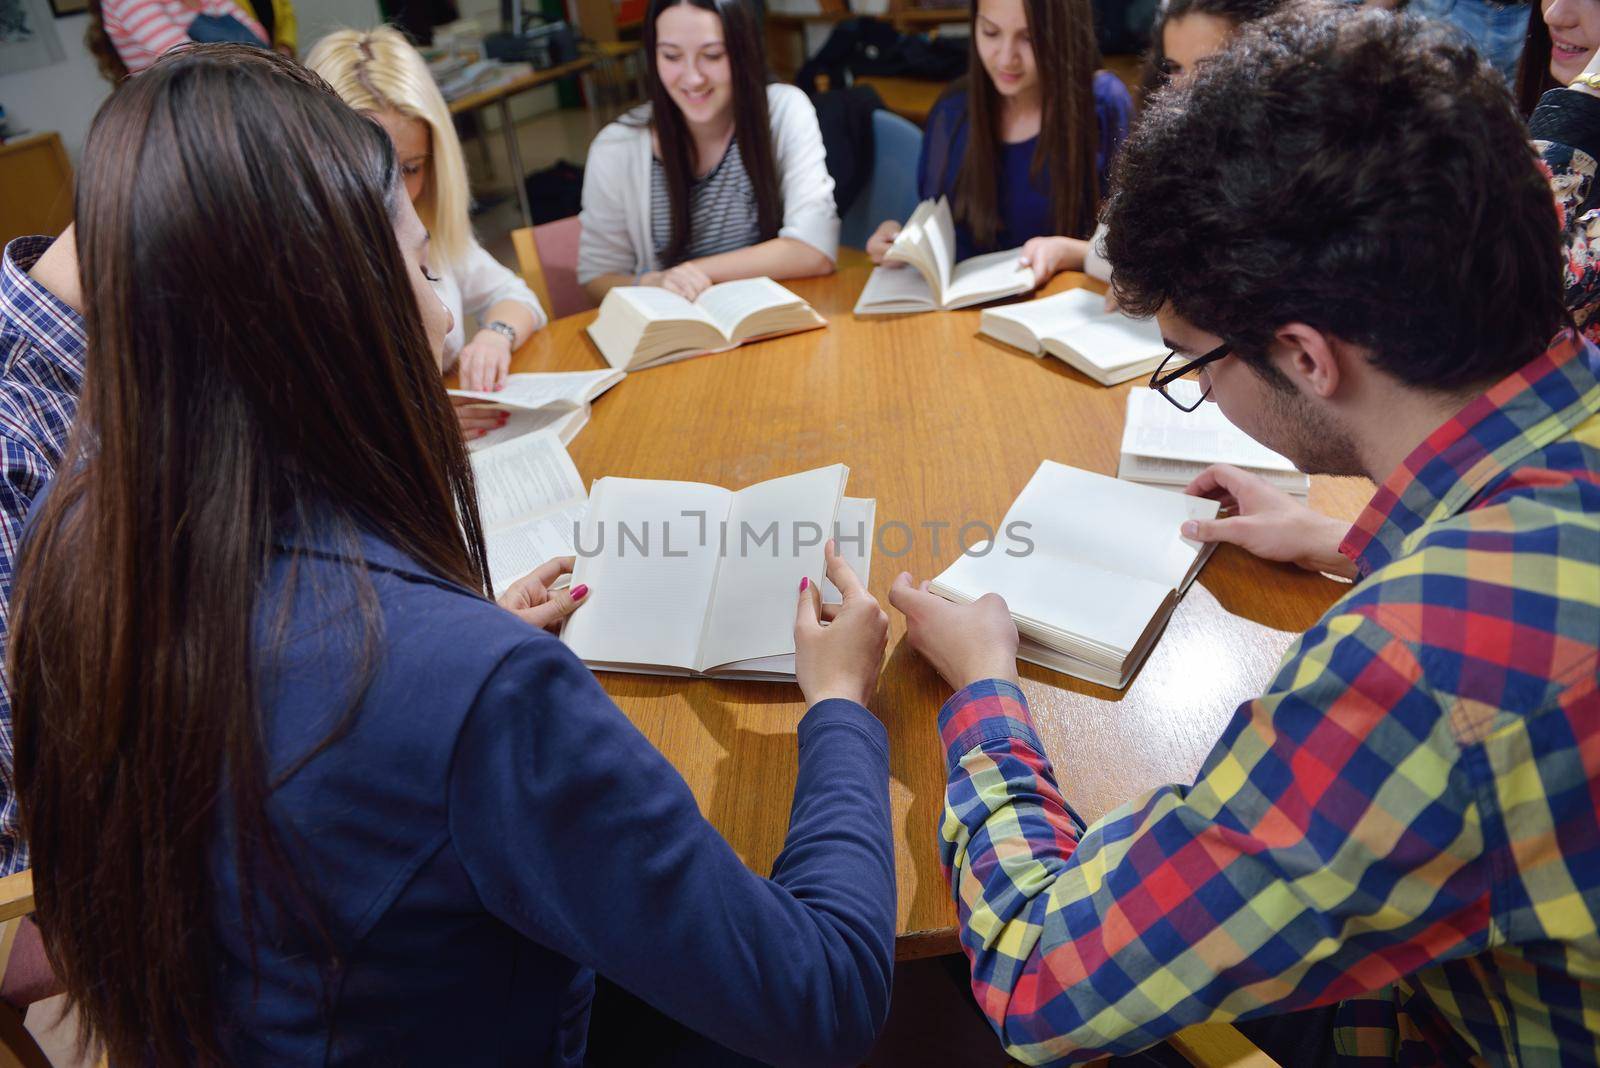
297	791
1022	144
719	176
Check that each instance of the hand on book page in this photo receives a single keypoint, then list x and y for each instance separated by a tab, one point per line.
476	418
842	656
1267	522
535	598
686	280
965	643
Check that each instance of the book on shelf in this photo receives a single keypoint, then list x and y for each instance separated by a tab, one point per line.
693	579
1091	568
927	243
1075	328
530	501
1165	447
643	326
557	400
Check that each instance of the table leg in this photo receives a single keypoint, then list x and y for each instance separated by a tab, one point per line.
514	160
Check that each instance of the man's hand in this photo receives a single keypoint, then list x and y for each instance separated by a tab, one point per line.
965	643
1267	522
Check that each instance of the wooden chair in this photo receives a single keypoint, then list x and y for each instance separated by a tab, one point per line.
37	177
547	257
25	975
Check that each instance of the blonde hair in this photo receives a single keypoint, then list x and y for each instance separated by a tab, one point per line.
378	70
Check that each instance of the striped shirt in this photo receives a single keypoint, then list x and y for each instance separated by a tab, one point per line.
42	347
722	209
1405	823
142	31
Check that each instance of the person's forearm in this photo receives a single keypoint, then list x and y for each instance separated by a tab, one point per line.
516	315
598	287
782	257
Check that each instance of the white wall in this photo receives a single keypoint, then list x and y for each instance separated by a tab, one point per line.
64	96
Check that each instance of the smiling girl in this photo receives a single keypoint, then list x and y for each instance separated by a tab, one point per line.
1022	144
719	176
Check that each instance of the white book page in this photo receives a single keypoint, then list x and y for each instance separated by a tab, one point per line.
651	569
1156	428
854	531
526	477
994	274
774	536
563	422
518	548
1117	526
1112	341
1053	315
1065	594
657	305
567	389
729	304
895	289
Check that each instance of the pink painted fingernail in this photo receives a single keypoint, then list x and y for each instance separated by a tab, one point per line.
580	592
805	582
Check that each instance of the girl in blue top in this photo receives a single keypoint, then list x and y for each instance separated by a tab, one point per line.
1022	145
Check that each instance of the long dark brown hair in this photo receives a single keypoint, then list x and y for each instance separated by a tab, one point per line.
1238	12
1533	69
751	124
1066	56
256	367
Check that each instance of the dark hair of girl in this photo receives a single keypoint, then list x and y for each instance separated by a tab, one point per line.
112	69
1238	12
1533	70
218	419
751	124
1066	56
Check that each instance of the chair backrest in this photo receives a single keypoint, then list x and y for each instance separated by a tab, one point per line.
892	193
547	256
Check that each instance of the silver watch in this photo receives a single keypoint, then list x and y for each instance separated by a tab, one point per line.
505	330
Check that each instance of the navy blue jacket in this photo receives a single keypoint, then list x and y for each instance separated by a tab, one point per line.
485	830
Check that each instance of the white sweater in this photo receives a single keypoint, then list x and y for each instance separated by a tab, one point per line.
472	287
616	188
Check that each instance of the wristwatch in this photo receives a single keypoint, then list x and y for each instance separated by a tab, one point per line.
505	330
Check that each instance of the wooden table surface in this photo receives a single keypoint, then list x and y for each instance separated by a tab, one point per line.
495	93
940	425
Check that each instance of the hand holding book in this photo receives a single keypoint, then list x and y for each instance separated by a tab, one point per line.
838	649
537	599
1267	522
965	643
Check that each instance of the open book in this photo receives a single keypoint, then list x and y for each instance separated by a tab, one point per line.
530	500
692	579
556	401
1092	575
641	326
1075	328
928	243
1162	446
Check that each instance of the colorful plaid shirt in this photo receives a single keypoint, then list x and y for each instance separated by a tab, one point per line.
42	348
1405	822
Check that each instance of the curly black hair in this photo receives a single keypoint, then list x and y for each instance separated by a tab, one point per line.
1358	171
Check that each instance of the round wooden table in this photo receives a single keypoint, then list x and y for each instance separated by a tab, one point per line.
941	426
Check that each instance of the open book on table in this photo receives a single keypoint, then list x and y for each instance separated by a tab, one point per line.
1075	328
642	326
693	579
530	501
1091	573
1165	447
927	243
556	401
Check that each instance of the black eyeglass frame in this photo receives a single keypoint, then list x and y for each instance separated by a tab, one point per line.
1164	378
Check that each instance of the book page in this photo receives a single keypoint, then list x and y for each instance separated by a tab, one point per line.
1056	589
523	478
1112	341
1118	526
729	304
652	569
518	548
894	289
939	238
1156	428
1056	315
659	305
774	536
854	530
552	389
994	274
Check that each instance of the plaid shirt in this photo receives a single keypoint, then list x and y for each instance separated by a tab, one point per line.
1406	822
42	347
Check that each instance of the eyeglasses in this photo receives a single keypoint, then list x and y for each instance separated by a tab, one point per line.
1186	400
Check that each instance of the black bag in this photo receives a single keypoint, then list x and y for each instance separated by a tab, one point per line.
872	46
555	192
845	118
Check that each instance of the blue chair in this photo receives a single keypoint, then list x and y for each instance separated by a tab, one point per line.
892	192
